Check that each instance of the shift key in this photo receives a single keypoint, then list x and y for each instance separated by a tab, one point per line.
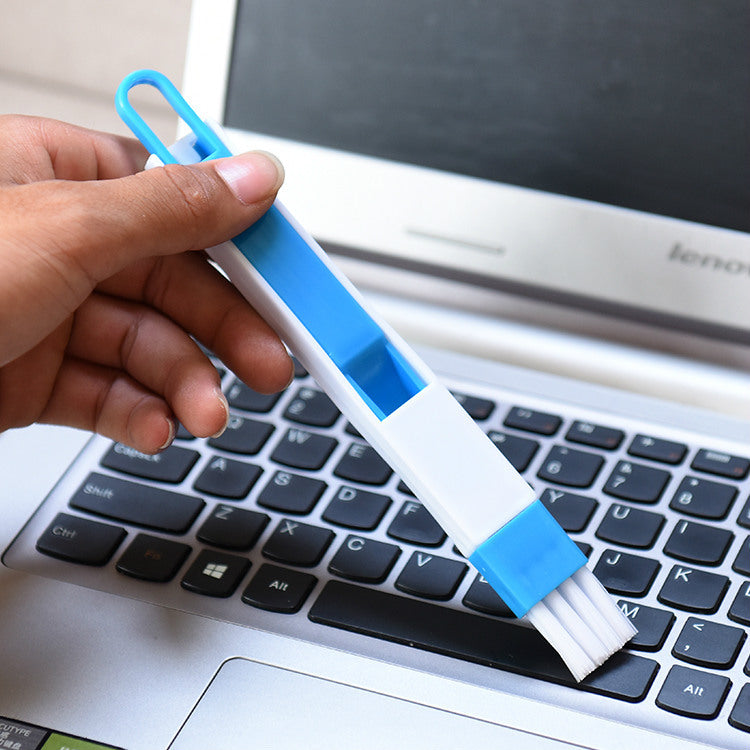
138	504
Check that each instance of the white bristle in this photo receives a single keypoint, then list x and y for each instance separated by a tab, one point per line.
583	623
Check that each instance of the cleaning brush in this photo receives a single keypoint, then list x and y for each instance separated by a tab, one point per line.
398	405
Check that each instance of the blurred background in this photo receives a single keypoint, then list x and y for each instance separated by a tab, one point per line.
65	58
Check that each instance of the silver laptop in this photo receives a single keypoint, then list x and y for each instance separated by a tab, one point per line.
552	202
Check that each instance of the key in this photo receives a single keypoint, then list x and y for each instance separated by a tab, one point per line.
708	644
139	504
519	451
665	451
365	560
171	465
573	512
744	518
303	450
693	590
415	525
631	527
215	574
570	467
699	497
242	435
362	464
595	435
291	493
356	509
533	421
621	573
228	478
312	407
483	598
636	482
721	464
151	558
742	561
740	716
430	576
232	528
464	635
279	589
243	397
80	540
698	543
653	625
297	543
689	692
476	408
740	609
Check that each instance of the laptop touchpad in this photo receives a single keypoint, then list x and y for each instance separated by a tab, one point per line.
254	705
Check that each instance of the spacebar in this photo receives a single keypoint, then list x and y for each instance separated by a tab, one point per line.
460	634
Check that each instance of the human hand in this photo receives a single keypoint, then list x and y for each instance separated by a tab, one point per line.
99	296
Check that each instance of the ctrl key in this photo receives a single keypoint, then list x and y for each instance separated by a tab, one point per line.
80	540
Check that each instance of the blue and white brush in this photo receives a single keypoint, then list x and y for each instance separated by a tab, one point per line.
411	419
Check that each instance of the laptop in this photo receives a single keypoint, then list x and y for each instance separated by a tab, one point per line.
551	202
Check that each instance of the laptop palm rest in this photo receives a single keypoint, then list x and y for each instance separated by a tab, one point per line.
253	705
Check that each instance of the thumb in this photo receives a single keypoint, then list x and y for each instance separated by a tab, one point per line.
167	210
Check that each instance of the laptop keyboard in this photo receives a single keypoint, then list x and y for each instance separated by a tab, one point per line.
290	517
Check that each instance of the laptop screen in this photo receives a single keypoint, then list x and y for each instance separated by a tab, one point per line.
635	104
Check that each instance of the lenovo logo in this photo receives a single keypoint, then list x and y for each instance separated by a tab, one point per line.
708	261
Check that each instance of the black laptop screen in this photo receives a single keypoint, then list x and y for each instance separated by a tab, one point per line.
641	104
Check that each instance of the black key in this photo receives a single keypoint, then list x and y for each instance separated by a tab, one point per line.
573	512
228	478
595	435
740	609
570	467
744	518
246	436
631	527
232	528
708	644
740	716
664	451
621	573
366	560
243	397
291	493
698	543
689	692
431	577
693	590
361	463
297	543
476	408
312	407
721	464
278	589
139	504
533	421
215	574
80	540
303	450
653	625
299	369
471	637
152	558
356	509
171	465
182	433
483	598
414	524
519	451
704	499
742	561
636	482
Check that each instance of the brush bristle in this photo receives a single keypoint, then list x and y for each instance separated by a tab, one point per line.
582	622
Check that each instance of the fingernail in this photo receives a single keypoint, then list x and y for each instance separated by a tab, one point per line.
252	177
222	399
171	435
